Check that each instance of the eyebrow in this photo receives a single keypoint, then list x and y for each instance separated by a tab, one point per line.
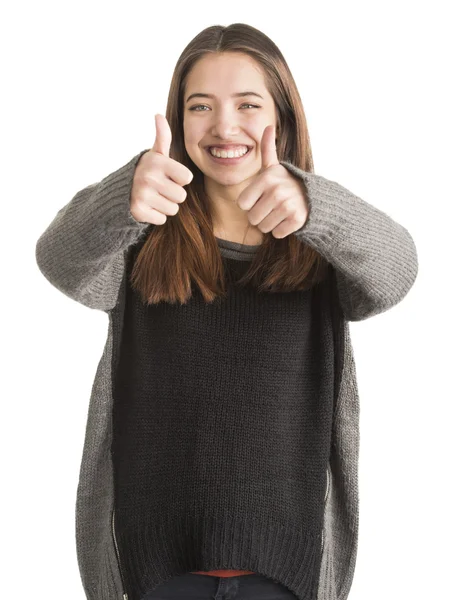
238	95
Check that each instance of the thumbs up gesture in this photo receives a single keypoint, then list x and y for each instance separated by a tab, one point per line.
276	199
158	180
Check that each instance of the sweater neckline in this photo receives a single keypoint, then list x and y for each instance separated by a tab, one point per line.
237	251
229	242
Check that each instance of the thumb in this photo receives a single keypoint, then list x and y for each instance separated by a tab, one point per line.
163	136
269	155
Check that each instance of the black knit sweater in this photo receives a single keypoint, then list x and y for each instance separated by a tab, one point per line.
222	430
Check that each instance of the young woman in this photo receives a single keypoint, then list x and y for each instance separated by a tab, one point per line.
221	449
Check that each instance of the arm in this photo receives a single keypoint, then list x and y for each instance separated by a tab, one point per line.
82	251
374	257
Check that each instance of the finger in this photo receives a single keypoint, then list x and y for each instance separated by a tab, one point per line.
163	136
173	169
170	190
252	193
269	155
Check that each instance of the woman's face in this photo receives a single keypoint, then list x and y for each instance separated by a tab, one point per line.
224	119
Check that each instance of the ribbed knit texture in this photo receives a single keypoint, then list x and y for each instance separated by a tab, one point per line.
222	436
83	253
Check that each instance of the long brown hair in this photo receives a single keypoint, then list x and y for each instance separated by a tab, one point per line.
184	248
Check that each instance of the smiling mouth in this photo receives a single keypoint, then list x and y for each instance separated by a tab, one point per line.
230	149
209	151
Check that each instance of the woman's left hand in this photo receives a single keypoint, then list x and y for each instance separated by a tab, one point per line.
276	199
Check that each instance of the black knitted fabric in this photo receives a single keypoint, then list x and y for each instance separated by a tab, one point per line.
222	430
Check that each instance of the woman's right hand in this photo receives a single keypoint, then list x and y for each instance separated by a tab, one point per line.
158	180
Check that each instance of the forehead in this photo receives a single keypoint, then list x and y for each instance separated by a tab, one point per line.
225	73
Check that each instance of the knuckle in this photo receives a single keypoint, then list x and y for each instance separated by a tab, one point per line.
188	177
174	208
287	205
162	219
280	197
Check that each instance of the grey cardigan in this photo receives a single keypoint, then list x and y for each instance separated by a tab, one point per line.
83	254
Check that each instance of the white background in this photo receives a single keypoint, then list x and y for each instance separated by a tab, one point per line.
380	83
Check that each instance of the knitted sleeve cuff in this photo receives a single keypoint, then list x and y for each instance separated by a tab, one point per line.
110	201
375	257
81	252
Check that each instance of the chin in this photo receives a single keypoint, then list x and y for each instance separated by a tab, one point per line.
227	178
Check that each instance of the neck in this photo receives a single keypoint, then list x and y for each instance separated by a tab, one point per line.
229	221
251	236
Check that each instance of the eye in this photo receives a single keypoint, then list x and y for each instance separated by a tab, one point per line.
200	105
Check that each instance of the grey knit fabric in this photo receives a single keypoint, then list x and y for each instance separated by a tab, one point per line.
83	254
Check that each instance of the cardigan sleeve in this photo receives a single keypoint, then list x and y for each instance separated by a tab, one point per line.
374	257
81	252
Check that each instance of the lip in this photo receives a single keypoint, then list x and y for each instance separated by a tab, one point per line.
228	146
228	161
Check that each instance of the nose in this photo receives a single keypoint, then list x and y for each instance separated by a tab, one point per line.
225	125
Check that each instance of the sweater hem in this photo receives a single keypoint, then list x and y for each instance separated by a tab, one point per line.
154	553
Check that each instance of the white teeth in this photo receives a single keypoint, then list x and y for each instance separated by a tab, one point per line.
228	153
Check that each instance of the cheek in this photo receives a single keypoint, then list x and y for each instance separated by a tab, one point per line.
257	130
192	134
192	144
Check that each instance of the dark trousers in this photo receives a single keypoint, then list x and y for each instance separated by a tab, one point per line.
192	586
